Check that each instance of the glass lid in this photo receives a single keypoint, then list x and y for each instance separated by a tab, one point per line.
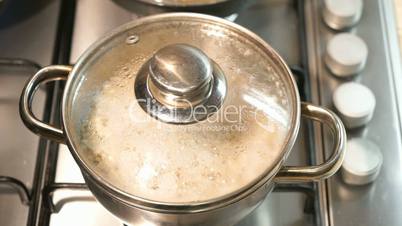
181	108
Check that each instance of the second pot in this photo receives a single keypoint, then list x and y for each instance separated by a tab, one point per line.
221	8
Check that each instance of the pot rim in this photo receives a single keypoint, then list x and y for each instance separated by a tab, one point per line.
183	4
207	205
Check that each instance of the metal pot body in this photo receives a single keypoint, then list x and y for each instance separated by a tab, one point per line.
224	216
226	210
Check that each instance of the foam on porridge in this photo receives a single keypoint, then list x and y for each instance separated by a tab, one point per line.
175	163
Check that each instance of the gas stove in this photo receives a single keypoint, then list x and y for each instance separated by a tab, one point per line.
40	183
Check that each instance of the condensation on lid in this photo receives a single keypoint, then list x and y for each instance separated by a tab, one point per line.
151	159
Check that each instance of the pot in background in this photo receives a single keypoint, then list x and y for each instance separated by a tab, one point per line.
221	8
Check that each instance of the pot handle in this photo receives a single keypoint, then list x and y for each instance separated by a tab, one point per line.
288	174
46	74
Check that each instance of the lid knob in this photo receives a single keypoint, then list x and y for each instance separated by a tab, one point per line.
180	69
180	75
186	84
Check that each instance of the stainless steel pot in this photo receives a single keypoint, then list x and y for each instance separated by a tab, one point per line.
100	60
221	8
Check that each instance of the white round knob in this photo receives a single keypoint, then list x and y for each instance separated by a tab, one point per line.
355	104
346	54
362	163
341	14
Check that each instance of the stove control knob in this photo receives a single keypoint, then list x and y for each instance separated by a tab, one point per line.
362	163
341	14
346	54
355	104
